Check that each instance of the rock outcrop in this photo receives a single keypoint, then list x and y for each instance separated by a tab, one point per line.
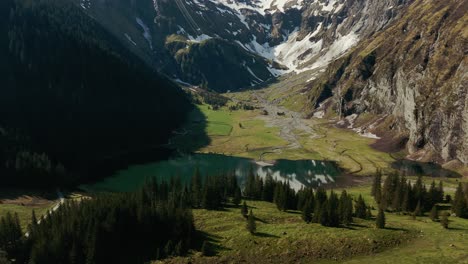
414	73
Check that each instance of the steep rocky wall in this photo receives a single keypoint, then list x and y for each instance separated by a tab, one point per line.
415	71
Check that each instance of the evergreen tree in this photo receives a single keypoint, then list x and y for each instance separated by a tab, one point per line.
433	195
320	201
269	188
368	213
440	190
244	210
307	211
376	190
237	197
258	188
380	220
360	208
250	185
346	208
196	188
444	221
389	189
323	215
205	249
460	206
434	214
333	210
418	211
251	225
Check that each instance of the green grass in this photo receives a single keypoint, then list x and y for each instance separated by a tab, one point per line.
24	212
219	123
284	238
237	133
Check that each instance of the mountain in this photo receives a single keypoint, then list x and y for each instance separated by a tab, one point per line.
73	96
413	77
258	40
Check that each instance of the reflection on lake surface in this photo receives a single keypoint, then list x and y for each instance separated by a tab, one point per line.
299	173
415	168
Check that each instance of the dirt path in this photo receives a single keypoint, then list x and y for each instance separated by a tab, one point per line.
289	122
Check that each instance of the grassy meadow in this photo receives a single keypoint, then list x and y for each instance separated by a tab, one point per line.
282	237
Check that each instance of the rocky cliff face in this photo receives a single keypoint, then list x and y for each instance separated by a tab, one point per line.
257	40
414	76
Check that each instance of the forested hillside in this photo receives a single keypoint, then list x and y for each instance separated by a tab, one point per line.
71	95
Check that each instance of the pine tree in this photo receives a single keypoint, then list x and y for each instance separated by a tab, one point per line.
460	206
405	203
250	186
360	208
346	208
237	197
205	249
307	212
434	215
418	211
440	189
269	188
388	193
380	220
244	210
433	195
196	187
323	215
444	221
368	213
376	190
333	213
251	225
32	226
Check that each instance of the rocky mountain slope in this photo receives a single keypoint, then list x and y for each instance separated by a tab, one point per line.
413	75
207	41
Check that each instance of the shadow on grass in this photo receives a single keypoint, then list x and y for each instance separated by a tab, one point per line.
396	229
260	220
211	243
193	135
261	234
409	167
457	229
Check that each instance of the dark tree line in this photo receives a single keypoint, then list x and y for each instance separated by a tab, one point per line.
316	206
399	195
72	98
153	223
460	201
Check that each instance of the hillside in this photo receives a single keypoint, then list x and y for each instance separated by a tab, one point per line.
413	78
72	96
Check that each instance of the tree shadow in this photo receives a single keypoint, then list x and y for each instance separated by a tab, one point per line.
34	196
212	242
410	167
457	229
192	136
186	140
293	212
261	234
260	220
396	228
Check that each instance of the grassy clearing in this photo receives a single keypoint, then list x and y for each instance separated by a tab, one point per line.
24	212
284	238
236	133
352	151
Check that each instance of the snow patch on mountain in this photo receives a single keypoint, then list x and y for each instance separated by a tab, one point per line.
146	32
